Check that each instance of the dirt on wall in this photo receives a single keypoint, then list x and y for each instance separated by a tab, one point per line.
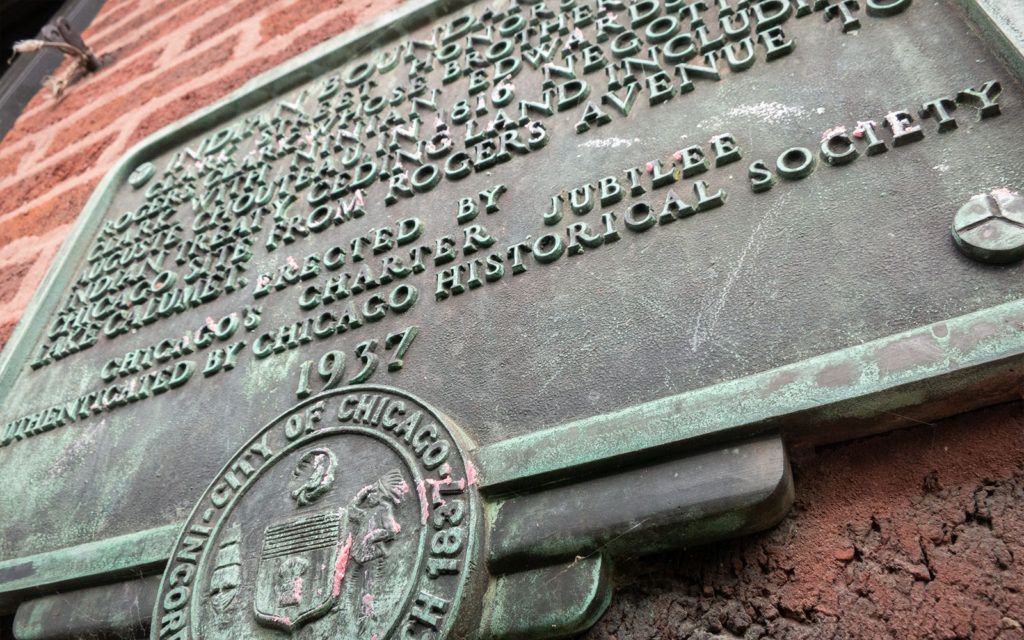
917	534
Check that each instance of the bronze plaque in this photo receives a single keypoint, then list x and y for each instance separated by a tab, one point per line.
574	233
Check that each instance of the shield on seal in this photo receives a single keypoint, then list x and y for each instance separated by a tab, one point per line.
302	565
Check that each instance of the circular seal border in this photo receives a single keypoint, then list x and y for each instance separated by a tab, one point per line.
299	443
450	505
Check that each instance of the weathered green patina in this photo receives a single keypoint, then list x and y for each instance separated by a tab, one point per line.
612	256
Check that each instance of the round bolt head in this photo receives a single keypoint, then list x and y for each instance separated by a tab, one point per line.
990	227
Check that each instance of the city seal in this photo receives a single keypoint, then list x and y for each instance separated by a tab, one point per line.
352	515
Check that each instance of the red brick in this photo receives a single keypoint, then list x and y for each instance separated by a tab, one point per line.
51	175
225	84
212	29
225	21
209	60
295	15
10	279
54	212
112	13
5	332
11	157
155	27
205	95
156	13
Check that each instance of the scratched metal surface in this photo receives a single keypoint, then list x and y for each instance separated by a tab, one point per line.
847	255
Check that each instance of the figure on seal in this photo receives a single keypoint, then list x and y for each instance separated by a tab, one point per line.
319	463
373	524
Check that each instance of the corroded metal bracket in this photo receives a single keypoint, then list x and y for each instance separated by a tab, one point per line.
61	32
554	601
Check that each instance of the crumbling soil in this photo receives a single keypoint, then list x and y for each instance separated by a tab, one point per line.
910	535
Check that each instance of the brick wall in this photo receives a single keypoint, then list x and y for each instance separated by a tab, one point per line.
162	61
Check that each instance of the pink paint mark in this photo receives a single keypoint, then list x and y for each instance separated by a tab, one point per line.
833	131
470	473
678	156
650	167
210	324
367	605
292	263
296	595
435	485
287	622
863	126
404	487
1004	191
359	197
422	492
340	564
